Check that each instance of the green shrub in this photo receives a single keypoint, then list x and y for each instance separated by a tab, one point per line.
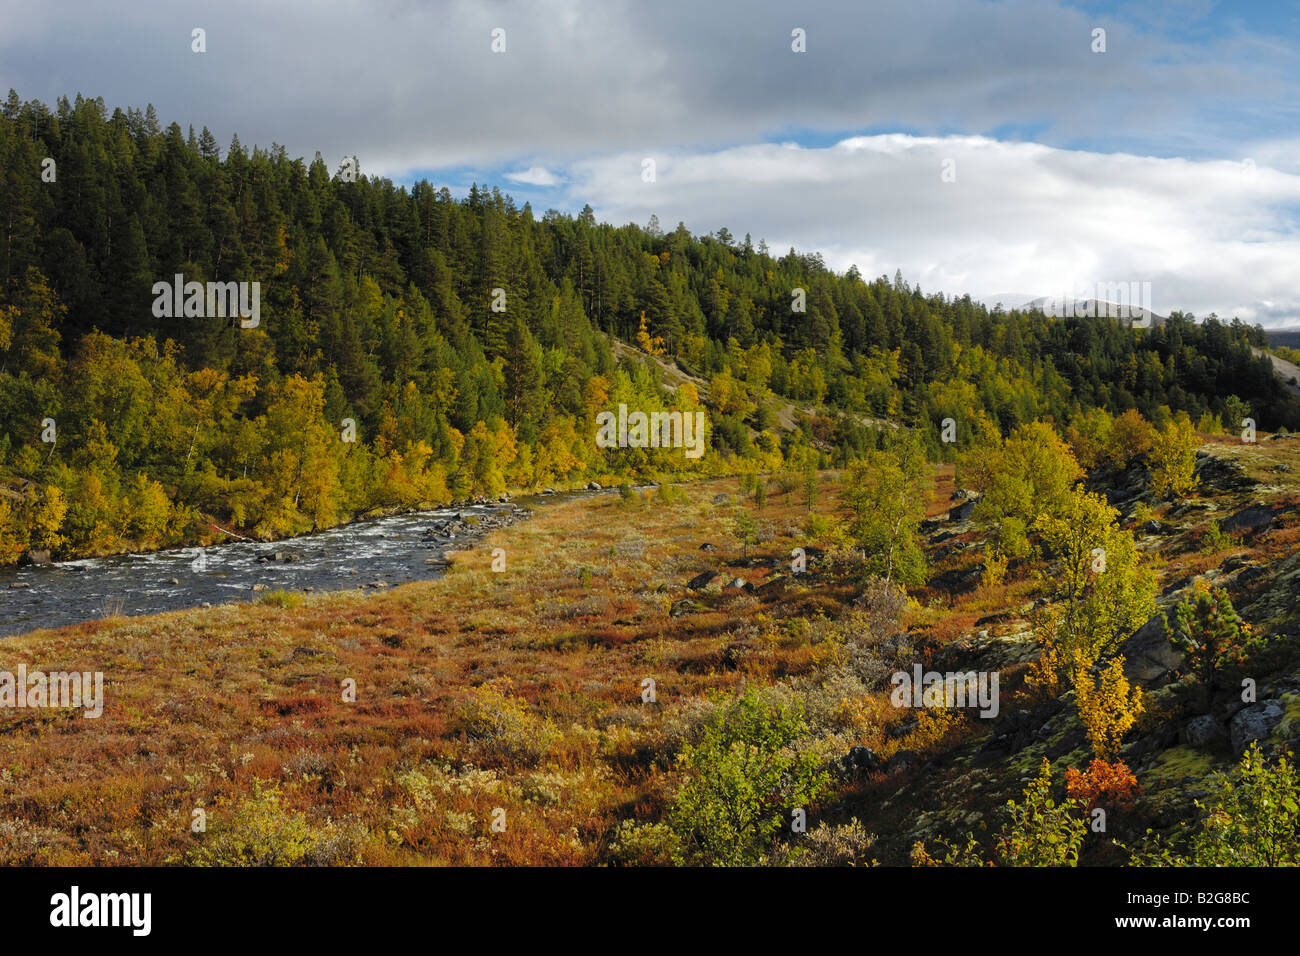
818	527
1040	832
668	494
281	598
1215	539
745	528
825	845
643	844
257	831
1251	819
1254	818
741	780
502	727
787	482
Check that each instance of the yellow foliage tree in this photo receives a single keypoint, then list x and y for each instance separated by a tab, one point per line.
1108	705
1089	435
1130	436
1173	458
729	395
149	509
1022	482
7	315
1097	592
12	536
647	343
47	519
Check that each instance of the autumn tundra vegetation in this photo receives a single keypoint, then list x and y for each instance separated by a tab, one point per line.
695	668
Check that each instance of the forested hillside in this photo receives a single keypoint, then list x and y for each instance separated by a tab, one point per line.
468	341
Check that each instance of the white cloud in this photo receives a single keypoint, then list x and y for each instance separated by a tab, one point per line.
1210	235
534	176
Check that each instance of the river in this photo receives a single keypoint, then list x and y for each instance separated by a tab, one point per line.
390	550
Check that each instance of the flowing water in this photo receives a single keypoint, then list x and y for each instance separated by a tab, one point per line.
391	550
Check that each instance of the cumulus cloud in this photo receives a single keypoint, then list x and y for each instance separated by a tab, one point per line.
534	176
1212	235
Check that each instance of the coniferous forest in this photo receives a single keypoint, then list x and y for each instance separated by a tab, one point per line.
415	349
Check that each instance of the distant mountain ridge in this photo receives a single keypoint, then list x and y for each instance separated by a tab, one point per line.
1290	338
1130	313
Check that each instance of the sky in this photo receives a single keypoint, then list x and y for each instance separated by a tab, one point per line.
989	148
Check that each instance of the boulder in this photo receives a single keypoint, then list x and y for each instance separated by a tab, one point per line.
1248	519
1164	736
686	606
861	760
902	730
1222	474
593	486
702	580
1252	573
1148	654
1119	496
1204	732
1011	724
957	580
903	760
1072	740
1254	722
733	654
34	556
962	511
